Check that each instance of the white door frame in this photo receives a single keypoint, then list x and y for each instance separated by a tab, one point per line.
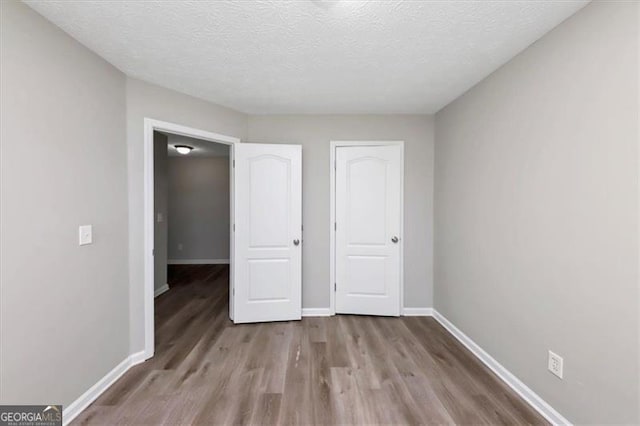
332	216
151	125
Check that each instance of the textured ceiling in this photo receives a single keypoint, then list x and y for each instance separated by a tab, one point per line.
310	56
200	148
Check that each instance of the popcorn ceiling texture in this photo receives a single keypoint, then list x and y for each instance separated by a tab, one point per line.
310	56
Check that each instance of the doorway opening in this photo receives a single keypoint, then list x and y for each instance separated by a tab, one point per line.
189	204
192	220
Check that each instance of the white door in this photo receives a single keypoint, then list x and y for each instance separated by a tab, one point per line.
268	234
368	225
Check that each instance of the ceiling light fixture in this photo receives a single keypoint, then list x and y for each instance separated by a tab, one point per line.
183	149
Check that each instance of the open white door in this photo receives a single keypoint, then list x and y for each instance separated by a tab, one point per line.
268	233
368	225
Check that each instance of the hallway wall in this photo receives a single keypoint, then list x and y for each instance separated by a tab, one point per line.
161	210
198	208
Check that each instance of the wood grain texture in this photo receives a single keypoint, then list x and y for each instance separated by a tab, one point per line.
332	370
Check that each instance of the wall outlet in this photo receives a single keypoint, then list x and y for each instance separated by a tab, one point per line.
85	234
180	246
555	364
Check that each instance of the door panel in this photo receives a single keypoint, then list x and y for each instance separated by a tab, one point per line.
268	219
368	197
366	275
366	189
269	280
270	184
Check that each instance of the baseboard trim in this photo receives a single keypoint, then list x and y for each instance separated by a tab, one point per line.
158	291
79	405
532	398
316	312
407	312
417	312
198	261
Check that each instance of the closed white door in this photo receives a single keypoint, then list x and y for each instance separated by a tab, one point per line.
368	225
268	233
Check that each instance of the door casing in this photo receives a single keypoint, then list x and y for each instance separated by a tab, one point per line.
151	125
332	215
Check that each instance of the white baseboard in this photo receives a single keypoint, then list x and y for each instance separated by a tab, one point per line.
316	312
532	398
198	261
158	291
76	407
138	358
417	312
407	312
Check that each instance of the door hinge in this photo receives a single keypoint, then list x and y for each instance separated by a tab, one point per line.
234	163
153	252
335	226
335	286
234	227
233	291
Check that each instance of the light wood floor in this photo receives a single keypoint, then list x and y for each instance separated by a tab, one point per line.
337	370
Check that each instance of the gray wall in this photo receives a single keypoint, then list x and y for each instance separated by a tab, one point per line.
148	100
199	208
161	209
314	132
64	308
536	196
536	209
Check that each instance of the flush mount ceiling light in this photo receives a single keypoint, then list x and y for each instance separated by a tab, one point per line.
183	149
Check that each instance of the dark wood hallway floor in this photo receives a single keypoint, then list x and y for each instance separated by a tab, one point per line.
335	370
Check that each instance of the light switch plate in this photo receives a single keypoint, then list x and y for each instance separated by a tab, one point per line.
85	234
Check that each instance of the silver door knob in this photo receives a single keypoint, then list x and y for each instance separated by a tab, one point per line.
296	242
394	239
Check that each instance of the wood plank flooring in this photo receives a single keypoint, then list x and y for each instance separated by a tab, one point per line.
336	370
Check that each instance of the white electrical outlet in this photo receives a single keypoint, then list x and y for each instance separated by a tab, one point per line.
555	364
